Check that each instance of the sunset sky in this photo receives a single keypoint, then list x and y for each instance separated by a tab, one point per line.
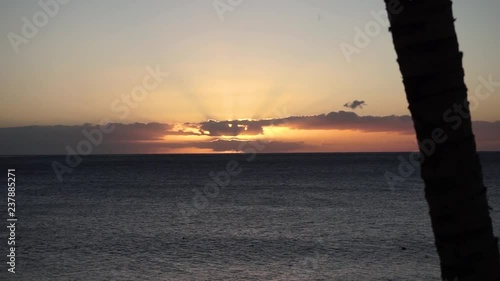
210	81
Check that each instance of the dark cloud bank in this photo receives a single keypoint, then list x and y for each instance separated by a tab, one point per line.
148	138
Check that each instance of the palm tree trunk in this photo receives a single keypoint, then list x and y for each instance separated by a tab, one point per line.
426	44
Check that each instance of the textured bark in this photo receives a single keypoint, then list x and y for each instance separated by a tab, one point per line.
431	65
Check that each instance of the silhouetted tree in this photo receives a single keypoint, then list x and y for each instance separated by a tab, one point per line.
426	44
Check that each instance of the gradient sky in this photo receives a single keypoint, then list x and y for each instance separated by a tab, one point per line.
264	60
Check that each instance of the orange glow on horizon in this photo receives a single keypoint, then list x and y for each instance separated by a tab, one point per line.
311	140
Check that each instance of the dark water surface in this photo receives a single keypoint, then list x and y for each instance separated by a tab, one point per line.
277	217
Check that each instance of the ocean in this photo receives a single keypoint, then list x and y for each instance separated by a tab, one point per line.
223	217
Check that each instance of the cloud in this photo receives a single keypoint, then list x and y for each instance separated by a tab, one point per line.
160	137
341	120
55	139
124	139
487	134
230	128
351	121
355	104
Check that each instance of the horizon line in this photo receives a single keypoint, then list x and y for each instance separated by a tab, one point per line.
227	153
